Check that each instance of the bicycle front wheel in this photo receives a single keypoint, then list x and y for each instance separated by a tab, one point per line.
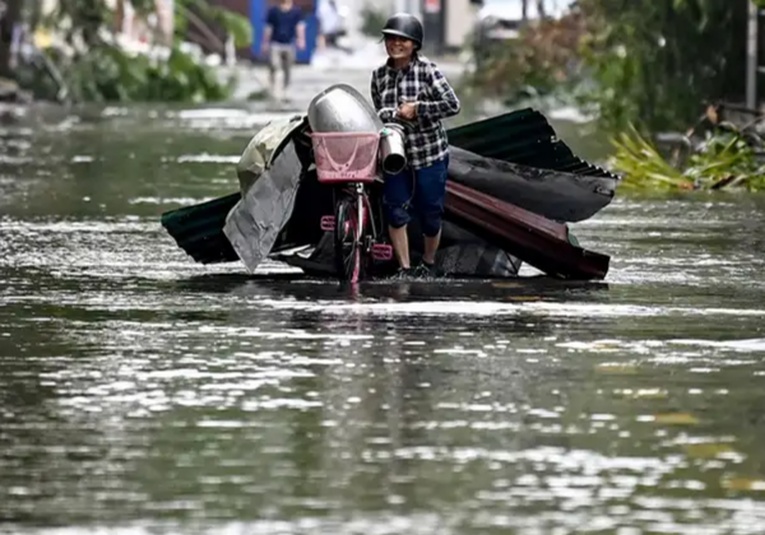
349	228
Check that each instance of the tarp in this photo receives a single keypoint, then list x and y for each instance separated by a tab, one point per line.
254	224
257	156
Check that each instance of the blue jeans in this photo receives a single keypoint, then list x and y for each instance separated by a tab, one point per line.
421	189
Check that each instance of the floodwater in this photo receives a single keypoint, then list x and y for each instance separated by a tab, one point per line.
143	394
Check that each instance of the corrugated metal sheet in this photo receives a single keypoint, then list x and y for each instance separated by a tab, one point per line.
523	137
533	238
198	229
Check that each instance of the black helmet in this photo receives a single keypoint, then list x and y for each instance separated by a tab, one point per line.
404	25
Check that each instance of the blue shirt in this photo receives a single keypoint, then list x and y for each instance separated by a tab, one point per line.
284	24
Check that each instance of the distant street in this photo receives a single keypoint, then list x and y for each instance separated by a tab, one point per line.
328	67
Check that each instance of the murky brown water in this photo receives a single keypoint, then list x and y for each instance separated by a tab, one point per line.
142	393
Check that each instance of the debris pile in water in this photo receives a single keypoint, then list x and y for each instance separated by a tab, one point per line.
725	150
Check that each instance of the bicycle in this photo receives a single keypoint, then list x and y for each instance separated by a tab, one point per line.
351	159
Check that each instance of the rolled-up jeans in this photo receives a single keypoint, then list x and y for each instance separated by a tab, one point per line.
281	56
422	189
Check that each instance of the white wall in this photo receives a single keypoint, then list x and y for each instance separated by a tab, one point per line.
460	15
409	6
355	8
460	18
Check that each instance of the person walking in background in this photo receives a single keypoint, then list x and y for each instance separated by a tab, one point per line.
283	36
331	25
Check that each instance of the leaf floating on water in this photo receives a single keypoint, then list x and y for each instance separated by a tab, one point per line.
744	484
706	451
726	160
676	418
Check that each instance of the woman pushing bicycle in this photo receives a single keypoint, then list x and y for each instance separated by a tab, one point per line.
410	90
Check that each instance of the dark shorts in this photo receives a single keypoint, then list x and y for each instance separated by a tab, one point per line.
421	191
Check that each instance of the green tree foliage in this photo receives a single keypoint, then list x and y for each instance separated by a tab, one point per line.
543	60
94	68
651	63
656	62
372	20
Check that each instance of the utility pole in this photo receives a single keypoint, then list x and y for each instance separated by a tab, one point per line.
752	68
541	10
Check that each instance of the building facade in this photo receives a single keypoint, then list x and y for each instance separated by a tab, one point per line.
448	23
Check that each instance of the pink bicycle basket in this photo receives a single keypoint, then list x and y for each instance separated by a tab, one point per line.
346	156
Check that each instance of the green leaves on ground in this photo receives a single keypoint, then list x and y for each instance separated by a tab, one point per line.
723	160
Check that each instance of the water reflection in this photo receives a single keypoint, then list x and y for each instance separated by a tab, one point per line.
146	393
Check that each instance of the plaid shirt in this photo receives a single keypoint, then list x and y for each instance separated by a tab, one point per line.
421	81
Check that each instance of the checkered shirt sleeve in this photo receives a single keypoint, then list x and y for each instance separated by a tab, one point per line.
422	82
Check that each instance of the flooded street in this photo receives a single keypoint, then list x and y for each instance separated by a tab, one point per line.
146	394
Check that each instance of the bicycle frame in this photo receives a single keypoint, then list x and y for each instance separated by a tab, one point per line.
357	242
353	160
361	211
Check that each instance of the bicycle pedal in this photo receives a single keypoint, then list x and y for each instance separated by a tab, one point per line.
327	223
382	251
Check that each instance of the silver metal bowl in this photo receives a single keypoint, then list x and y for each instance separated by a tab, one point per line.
341	108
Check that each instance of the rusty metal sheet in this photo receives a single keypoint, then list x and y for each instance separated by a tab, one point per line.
534	239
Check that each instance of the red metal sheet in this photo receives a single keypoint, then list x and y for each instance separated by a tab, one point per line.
534	239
